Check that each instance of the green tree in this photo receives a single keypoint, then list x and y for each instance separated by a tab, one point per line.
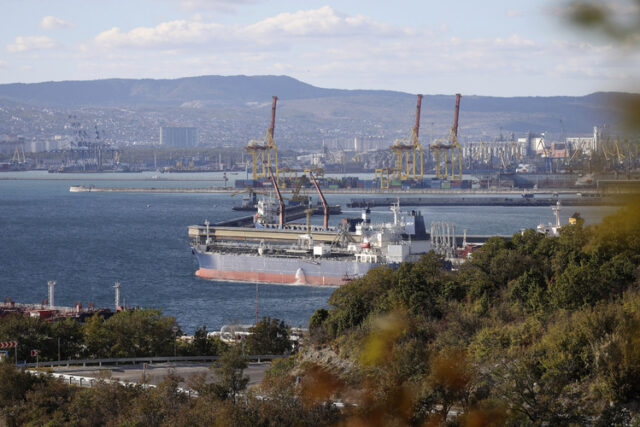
130	334
353	302
229	373
68	333
268	336
31	333
420	285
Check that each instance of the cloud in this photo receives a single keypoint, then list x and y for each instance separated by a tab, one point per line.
166	34
324	22
54	23
513	13
327	47
27	43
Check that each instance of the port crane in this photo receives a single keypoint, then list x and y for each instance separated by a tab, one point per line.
282	216
384	176
409	153
264	152
18	155
325	206
451	146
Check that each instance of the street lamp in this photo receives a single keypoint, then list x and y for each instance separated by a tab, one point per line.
175	331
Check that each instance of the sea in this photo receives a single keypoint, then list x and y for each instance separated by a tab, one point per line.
87	241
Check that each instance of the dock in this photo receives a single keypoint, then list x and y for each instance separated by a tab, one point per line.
354	191
482	201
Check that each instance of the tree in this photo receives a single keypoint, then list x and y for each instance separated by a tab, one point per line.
229	371
268	336
420	285
130	334
30	333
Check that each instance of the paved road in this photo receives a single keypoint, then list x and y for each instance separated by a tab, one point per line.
155	373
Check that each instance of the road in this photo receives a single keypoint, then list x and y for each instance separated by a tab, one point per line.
155	373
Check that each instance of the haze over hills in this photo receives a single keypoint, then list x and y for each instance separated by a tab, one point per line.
308	114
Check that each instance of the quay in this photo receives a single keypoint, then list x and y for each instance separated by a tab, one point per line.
483	201
355	191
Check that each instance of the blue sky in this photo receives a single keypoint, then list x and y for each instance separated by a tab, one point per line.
491	47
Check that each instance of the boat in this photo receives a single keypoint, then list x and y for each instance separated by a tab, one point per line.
550	229
305	254
80	188
249	201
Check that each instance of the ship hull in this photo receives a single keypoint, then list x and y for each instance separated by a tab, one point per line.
268	269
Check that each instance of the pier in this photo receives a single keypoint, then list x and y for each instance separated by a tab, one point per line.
354	191
482	201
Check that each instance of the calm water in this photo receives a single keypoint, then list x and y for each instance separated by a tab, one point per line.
86	241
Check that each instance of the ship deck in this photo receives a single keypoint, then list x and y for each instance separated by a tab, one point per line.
198	233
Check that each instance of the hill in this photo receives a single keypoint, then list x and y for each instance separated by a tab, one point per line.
243	100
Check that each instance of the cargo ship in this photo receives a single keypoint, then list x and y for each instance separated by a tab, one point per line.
305	254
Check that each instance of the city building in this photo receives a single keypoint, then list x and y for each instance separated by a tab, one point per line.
179	136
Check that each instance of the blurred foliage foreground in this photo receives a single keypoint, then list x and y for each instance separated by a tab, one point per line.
531	331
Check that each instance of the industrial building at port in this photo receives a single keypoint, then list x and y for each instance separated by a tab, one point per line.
402	164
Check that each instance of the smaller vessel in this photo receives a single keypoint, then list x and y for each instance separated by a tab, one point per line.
80	189
552	230
248	203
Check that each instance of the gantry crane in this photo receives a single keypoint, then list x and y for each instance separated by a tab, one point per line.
264	151
451	146
383	175
18	155
406	152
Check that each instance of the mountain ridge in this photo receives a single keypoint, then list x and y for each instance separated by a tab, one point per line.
310	107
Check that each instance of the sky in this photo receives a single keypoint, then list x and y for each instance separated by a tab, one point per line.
475	47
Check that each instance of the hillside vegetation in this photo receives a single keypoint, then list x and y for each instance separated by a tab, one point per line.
535	330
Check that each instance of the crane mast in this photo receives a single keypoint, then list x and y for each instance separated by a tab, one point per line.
416	143
405	152
264	152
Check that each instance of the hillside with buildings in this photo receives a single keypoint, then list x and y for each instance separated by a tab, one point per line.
230	110
351	127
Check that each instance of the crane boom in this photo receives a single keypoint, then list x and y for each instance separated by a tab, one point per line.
455	117
280	201
325	223
416	128
272	127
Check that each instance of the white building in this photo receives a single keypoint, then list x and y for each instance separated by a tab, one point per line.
179	136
